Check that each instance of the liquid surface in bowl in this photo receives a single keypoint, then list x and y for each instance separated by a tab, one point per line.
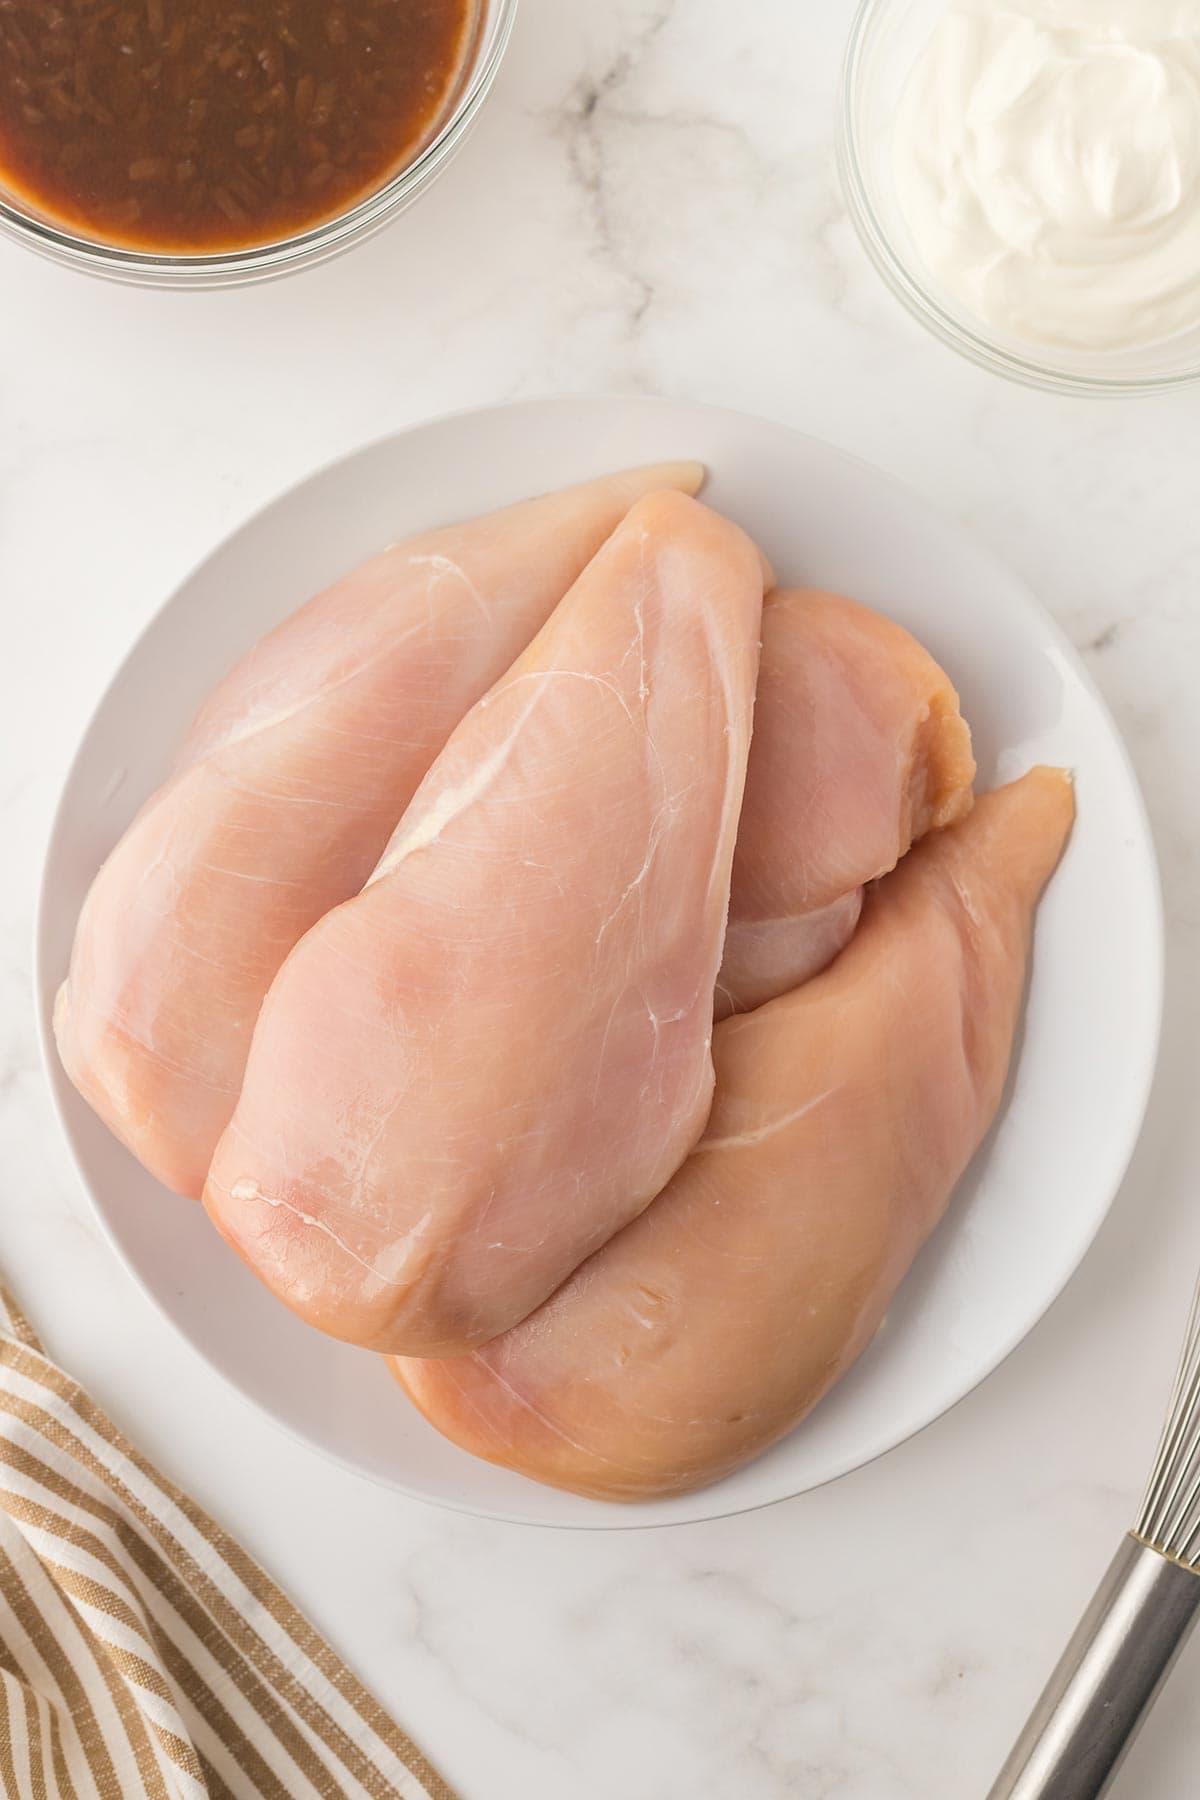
193	126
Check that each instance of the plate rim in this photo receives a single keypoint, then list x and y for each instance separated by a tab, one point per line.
612	1516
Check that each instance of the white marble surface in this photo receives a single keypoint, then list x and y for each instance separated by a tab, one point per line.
648	203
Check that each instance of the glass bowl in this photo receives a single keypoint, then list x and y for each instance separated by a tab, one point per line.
885	40
260	262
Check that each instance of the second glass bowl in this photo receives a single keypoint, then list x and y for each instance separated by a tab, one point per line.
885	40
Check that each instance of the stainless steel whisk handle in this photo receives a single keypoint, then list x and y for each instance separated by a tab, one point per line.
1106	1681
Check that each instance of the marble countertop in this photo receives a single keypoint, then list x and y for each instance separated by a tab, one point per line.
647	204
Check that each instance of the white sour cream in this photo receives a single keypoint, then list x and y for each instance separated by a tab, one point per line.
1047	162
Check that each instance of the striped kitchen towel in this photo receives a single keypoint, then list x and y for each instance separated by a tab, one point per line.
142	1653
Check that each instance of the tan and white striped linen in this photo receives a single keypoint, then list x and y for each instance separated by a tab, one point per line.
142	1652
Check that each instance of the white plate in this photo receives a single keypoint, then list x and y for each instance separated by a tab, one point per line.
1036	1193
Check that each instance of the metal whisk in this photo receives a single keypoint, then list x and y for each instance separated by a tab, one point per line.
1127	1641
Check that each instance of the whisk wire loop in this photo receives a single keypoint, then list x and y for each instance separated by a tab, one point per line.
1169	1520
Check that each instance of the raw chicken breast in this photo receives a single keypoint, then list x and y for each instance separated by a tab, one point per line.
286	791
859	749
466	1079
845	1113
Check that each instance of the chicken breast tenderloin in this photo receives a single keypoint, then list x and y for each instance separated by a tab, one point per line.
845	1113
859	749
286	791
469	1077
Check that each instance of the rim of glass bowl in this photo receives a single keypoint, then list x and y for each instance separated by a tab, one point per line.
910	291
262	261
